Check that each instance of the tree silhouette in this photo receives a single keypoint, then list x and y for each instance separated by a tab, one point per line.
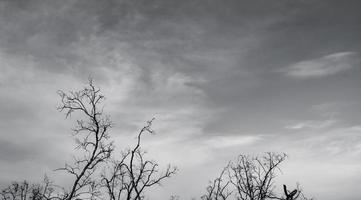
129	177
218	188
92	139
99	174
26	191
250	178
253	177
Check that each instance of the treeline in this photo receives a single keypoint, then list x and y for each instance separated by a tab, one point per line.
99	174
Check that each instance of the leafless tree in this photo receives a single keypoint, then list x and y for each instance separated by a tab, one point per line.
218	188
129	177
91	136
97	175
26	191
17	190
253	177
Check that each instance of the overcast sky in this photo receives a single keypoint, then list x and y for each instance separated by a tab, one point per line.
221	77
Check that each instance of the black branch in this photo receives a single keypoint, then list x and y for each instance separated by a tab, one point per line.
91	135
129	177
218	188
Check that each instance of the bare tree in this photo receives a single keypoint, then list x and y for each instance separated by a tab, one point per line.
253	177
218	188
16	190
26	191
129	177
91	137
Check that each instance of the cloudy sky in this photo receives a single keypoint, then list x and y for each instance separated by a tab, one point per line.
221	77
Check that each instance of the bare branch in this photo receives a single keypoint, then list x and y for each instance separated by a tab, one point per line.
93	142
132	175
218	189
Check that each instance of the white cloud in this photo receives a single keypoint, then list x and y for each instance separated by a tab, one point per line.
311	124
324	66
230	141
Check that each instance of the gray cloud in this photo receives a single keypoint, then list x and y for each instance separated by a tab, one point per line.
324	66
208	70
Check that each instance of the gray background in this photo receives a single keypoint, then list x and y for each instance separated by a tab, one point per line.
221	77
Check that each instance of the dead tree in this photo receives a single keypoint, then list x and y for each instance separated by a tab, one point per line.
129	177
16	191
218	188
253	177
91	135
26	191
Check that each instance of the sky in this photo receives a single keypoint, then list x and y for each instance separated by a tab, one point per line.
222	78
